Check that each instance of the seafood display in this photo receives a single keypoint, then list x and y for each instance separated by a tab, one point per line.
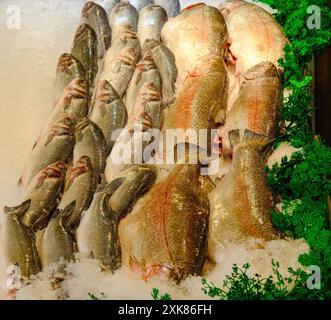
93	187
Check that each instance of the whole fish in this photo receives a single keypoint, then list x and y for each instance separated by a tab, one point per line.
256	105
201	103
123	15
165	61
108	5
200	30
18	242
243	198
136	143
140	4
68	69
79	189
97	235
56	146
254	37
44	192
151	20
85	49
167	229
96	16
57	241
145	71
171	6
109	112
90	142
121	60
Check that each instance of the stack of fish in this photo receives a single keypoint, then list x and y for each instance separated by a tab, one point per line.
130	65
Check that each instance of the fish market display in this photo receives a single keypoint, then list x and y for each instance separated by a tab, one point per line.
96	16
151	20
98	232
168	228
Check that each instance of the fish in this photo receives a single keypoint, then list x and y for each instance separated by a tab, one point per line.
90	142
97	235
151	20
84	49
108	5
137	143
109	112
165	62
96	16
172	7
57	241
68	69
256	106
18	247
44	194
123	15
200	105
254	37
141	4
167	229
121	59
244	199
81	185
145	71
200	30
56	146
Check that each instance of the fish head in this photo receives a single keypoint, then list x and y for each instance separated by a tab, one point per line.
69	64
228	7
84	32
124	14
106	93
77	88
154	14
91	7
56	170
17	211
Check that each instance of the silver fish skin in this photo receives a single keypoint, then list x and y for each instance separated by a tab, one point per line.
123	14
79	190
58	241
45	192
18	246
172	7
166	64
109	112
140	4
151	20
57	145
68	69
84	49
97	235
96	16
90	142
121	59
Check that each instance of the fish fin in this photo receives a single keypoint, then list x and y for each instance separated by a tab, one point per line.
49	139
251	136
234	137
18	210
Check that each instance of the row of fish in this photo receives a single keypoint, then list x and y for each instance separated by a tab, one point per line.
128	68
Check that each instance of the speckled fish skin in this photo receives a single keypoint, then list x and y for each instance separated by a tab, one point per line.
109	112
58	241
45	192
151	20
85	50
257	104
141	4
56	145
244	197
169	226
97	235
145	71
121	59
201	30
172	7
18	242
68	69
96	16
123	15
201	104
90	142
166	64
80	188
